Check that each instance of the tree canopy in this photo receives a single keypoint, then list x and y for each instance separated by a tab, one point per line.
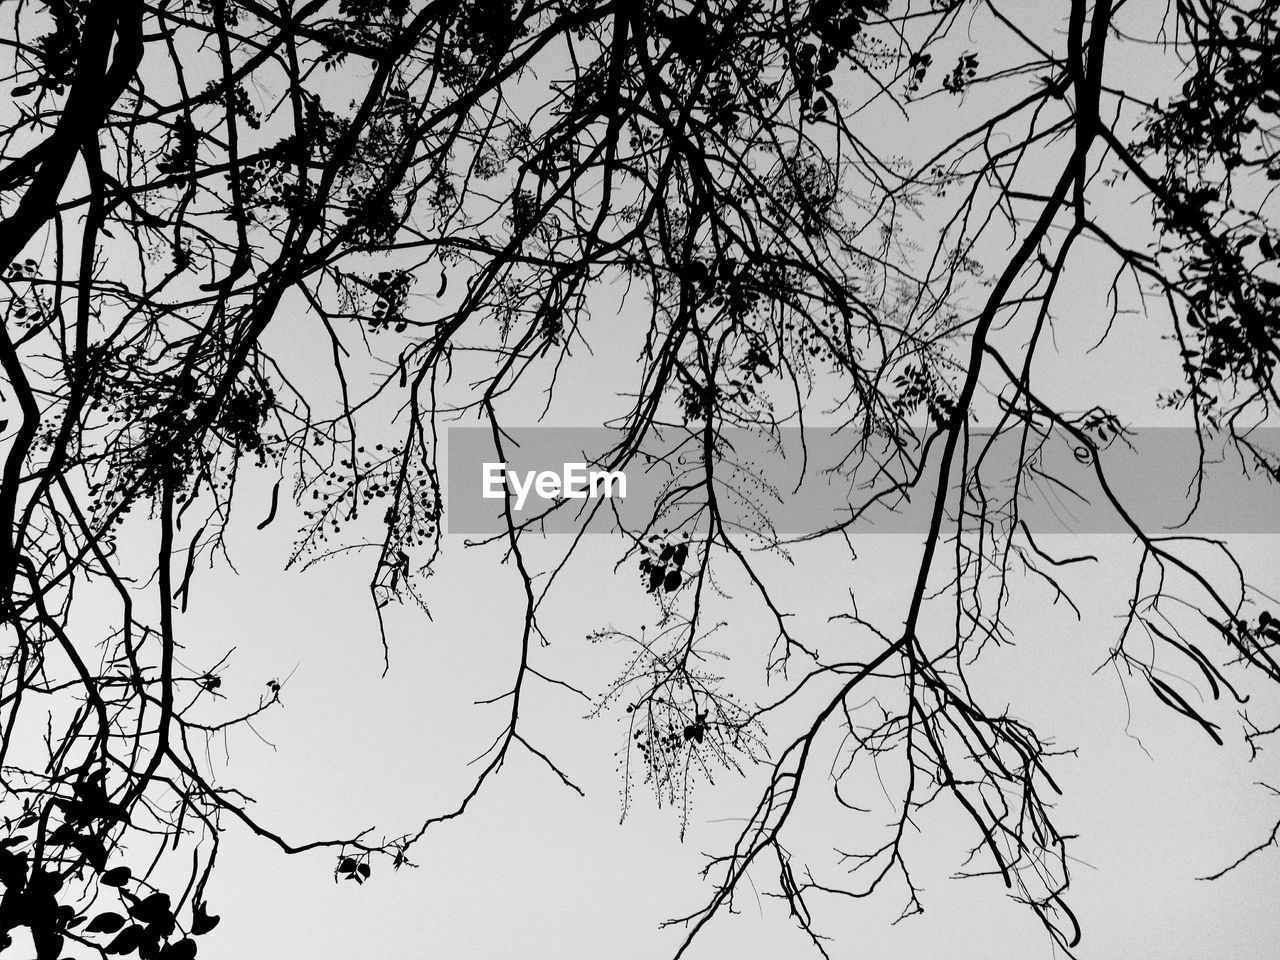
268	250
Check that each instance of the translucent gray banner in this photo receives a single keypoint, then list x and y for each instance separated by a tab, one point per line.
789	483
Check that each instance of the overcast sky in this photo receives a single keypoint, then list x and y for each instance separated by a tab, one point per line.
533	871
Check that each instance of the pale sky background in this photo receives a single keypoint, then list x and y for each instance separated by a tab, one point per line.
534	872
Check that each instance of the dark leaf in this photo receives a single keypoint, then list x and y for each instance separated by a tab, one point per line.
13	869
153	909
201	921
149	945
180	950
105	923
116	876
93	849
126	941
48	944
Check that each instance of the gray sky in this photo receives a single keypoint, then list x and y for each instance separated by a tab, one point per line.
532	871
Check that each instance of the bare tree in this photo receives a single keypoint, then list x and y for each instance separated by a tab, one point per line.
440	194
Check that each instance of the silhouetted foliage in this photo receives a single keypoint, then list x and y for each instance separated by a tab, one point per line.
834	205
